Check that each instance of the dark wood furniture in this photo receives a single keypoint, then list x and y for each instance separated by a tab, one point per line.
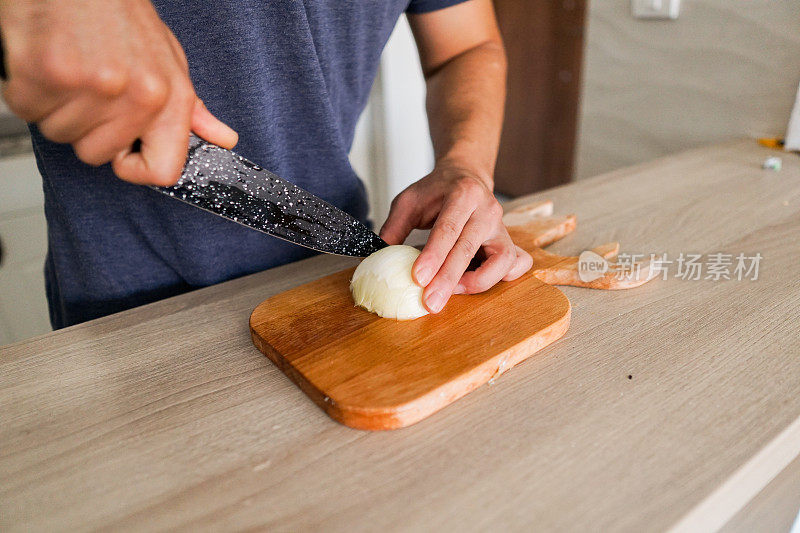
544	42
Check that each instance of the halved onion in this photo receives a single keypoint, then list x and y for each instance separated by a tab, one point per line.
382	284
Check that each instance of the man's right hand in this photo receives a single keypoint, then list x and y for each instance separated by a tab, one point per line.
100	74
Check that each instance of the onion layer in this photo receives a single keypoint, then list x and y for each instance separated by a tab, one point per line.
382	284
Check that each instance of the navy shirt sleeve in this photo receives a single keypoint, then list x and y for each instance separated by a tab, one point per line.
425	6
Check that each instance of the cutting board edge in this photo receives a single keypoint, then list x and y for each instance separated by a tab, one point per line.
376	419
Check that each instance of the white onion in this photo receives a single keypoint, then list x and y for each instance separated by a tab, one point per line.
382	284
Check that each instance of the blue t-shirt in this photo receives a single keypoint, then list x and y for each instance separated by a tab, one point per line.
291	77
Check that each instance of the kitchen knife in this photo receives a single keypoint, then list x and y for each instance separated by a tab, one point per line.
228	185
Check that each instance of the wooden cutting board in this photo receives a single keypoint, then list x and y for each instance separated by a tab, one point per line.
375	373
369	372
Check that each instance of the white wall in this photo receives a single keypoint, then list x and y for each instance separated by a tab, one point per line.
724	69
392	148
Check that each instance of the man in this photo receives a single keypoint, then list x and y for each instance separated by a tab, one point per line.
291	77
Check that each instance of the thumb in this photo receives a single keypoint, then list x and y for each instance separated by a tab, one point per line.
210	128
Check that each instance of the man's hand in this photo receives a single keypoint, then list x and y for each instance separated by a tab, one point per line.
100	74
466	218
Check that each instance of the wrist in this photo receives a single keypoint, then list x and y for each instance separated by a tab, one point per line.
466	165
469	156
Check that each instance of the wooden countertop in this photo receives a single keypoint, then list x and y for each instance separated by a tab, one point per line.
167	416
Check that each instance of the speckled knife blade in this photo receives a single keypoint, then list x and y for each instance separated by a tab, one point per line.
227	184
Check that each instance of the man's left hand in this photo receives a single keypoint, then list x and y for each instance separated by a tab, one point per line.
465	218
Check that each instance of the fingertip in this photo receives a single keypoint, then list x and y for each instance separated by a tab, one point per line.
229	138
522	264
395	230
526	258
435	300
128	166
133	167
389	237
212	129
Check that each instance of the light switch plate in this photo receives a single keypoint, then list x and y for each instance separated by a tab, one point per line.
656	9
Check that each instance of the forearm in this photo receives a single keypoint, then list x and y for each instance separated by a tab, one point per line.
465	101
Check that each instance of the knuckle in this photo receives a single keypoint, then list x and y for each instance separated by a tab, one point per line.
508	256
151	91
411	193
449	228
24	113
109	79
401	198
467	246
495	210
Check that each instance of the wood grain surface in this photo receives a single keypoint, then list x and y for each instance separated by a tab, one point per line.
167	416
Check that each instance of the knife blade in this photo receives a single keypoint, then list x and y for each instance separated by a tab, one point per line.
231	186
